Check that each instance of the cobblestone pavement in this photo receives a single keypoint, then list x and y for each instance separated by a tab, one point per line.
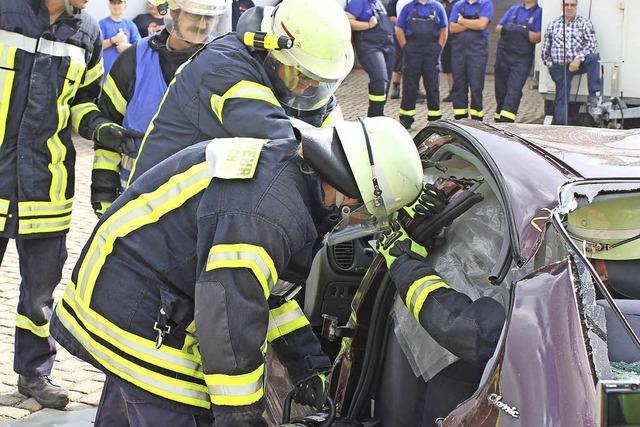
84	382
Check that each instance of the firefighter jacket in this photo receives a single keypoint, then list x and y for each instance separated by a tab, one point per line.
180	286
468	329
133	88
223	91
49	79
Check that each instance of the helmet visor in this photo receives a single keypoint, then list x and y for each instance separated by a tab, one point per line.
198	23
298	88
356	223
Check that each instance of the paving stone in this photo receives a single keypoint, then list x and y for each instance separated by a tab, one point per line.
87	387
8	412
91	399
12	399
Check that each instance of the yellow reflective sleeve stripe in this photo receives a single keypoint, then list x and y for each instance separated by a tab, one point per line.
433	113
460	111
171	388
45	208
23	322
285	319
420	290
236	390
377	98
242	255
79	111
244	89
335	116
146	209
409	113
7	74
476	113
508	114
106	160
93	74
113	93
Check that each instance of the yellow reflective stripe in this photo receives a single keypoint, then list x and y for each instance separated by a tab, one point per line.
146	209
476	113
79	111
44	225
182	391
496	116
460	111
432	113
7	60
420	290
23	322
44	208
377	98
93	74
285	319
335	116
236	390
18	41
4	206
113	93
243	90
508	115
106	160
242	255
3	222
409	113
135	345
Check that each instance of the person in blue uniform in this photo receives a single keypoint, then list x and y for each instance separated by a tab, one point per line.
374	43
468	24
520	30
422	32
118	33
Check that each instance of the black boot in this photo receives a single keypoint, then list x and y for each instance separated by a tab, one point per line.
44	391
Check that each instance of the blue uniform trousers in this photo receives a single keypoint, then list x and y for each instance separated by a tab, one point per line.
562	78
376	58
119	408
511	72
41	261
420	61
469	53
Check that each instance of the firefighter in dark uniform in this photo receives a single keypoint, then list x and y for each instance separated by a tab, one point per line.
190	273
422	30
50	71
520	30
136	83
375	47
468	329
469	53
239	84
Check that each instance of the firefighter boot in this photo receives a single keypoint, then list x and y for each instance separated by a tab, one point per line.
44	391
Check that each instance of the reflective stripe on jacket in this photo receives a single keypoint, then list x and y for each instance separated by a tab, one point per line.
49	77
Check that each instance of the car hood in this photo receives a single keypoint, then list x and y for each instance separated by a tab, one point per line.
534	161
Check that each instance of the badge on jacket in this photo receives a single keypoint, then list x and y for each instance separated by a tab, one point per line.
234	158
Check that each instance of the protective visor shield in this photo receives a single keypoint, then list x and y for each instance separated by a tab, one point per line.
296	87
198	22
356	222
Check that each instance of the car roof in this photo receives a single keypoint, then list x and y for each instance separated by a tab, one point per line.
534	161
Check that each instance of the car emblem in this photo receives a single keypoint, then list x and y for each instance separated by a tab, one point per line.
496	400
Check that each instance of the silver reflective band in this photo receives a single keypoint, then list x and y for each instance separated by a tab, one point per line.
282	287
247	256
61	49
236	390
418	291
19	41
44	208
284	318
35	224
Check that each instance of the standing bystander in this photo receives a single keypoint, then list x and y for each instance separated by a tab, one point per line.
445	56
118	33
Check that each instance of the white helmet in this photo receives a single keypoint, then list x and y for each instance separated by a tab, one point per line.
198	21
306	75
383	170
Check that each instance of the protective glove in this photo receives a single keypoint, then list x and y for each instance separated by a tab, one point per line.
116	138
396	243
312	391
431	201
100	208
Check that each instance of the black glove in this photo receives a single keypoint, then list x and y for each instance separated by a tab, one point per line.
396	243
114	137
312	391
431	201
99	208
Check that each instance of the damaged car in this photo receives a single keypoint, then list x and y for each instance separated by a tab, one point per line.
543	219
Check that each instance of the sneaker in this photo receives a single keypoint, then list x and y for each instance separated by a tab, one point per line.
447	98
44	391
395	92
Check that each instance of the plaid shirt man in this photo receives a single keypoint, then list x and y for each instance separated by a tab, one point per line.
580	41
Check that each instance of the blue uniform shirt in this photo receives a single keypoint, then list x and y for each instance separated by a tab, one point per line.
423	10
484	8
532	16
110	28
363	9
